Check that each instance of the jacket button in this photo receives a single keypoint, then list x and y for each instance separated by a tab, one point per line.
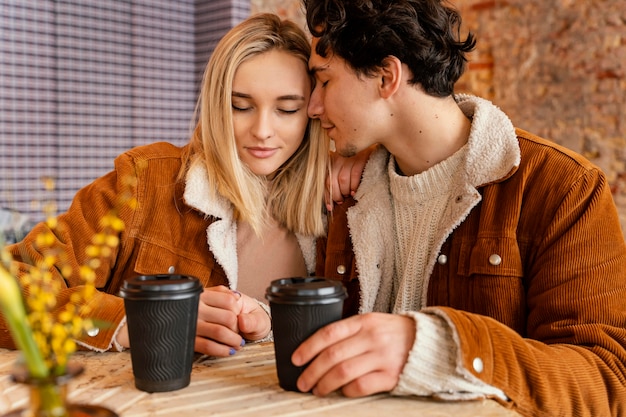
477	364
341	269
442	259
495	259
93	332
171	269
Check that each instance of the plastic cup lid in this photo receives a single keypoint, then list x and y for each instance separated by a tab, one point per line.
305	290
160	287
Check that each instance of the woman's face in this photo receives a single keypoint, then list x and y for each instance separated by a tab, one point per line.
270	97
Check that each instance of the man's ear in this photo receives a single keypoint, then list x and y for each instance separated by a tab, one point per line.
390	76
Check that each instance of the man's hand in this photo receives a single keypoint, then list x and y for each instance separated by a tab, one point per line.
345	176
360	355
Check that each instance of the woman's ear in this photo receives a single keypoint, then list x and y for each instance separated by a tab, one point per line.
391	76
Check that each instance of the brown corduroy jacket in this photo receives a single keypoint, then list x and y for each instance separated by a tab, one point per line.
547	316
163	234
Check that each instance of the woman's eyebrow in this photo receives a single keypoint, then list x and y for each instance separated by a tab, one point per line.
286	97
241	95
292	97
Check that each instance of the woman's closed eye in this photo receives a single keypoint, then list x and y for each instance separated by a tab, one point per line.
289	111
240	108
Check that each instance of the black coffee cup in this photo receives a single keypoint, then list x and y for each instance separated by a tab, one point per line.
162	314
300	306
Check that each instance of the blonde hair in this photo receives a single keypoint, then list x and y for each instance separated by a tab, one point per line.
294	198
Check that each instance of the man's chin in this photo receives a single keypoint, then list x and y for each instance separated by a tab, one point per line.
347	151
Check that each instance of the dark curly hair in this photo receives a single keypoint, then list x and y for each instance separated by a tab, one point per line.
423	34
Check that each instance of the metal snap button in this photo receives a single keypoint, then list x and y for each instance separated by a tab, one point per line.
341	269
442	259
93	332
477	364
495	259
171	269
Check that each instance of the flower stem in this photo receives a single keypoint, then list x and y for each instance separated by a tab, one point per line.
12	306
48	400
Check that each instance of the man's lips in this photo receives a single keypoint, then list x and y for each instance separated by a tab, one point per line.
328	128
262	153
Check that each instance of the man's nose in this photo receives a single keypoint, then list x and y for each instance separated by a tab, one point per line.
315	107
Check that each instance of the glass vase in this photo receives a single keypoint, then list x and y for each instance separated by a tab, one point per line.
48	397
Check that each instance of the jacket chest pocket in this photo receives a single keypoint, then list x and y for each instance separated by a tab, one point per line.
483	276
490	256
155	259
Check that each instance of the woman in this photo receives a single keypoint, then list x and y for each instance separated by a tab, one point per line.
238	206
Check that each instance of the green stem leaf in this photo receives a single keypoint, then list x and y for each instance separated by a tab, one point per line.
12	306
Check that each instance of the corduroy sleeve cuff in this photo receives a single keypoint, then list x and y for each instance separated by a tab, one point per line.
431	367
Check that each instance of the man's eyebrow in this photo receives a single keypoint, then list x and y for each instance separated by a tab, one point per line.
313	69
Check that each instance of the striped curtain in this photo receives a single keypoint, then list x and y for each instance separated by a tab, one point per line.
84	80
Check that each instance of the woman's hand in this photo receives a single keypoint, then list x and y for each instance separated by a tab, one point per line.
253	321
217	333
225	318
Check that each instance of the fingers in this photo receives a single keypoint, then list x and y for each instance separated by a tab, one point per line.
253	322
345	176
356	376
336	366
324	337
217	340
368	384
213	348
339	181
221	306
351	353
217	331
345	184
225	318
222	297
255	325
330	200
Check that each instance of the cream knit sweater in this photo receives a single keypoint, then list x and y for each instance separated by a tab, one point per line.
418	203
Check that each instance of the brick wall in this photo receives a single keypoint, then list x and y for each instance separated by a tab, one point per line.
557	68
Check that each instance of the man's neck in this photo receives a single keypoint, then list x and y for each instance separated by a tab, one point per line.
428	132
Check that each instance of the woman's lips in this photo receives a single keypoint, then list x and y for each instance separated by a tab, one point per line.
262	153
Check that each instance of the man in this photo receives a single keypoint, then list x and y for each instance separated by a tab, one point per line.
498	254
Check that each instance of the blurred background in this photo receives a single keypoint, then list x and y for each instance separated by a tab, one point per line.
83	80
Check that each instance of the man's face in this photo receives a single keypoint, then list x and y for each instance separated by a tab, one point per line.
343	102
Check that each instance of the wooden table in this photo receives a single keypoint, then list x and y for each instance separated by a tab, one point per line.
242	385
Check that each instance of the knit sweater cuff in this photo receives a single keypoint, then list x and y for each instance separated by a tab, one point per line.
431	367
430	361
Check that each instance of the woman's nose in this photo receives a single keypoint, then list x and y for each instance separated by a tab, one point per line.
263	127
